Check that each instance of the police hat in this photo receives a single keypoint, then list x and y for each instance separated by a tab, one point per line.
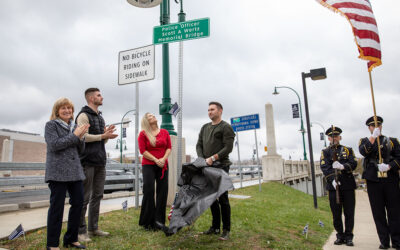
371	121
333	131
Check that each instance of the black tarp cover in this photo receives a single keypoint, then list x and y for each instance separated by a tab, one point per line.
200	185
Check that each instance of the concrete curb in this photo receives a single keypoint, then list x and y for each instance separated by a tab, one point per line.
8	208
45	203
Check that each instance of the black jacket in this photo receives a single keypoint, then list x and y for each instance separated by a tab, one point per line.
95	152
390	151
345	176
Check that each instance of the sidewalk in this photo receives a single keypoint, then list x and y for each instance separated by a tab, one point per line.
365	235
37	218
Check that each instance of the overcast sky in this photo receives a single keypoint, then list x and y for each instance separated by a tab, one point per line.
51	49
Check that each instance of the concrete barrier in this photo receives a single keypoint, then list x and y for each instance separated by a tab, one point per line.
8	208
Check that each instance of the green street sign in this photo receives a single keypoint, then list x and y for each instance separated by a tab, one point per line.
175	32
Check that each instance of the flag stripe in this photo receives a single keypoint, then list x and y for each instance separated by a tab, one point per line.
366	34
357	17
368	51
364	26
364	2
357	12
368	43
350	4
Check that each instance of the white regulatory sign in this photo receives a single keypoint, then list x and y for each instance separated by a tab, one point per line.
136	65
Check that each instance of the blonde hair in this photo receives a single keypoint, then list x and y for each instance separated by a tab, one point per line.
147	129
58	104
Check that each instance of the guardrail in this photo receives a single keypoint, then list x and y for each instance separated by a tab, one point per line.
19	186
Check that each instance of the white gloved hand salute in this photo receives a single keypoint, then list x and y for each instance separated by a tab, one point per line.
376	133
337	165
383	167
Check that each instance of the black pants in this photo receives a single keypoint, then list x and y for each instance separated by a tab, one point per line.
347	205
153	210
56	210
384	198
221	207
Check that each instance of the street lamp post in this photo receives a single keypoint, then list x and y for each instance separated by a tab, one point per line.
120	140
121	143
323	130
315	74
165	106
301	118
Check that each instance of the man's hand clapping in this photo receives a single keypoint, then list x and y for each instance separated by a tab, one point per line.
109	132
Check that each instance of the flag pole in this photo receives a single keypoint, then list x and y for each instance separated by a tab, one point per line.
375	119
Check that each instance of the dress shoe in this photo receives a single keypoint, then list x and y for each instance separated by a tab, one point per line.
163	228
84	237
98	232
68	245
224	235
339	242
349	243
381	246
212	230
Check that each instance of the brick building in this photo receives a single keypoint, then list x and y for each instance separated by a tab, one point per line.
17	146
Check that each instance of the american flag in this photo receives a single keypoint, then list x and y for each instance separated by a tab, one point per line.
16	233
125	205
361	17
305	230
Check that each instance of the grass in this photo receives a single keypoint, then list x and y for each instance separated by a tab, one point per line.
271	219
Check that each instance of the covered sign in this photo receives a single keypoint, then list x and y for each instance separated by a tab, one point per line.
145	3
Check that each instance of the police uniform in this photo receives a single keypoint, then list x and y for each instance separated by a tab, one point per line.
383	193
345	183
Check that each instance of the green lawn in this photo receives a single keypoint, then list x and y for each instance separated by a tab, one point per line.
271	219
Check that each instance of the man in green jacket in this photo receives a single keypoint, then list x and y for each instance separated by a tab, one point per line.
215	143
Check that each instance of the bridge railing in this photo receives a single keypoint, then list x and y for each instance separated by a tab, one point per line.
293	170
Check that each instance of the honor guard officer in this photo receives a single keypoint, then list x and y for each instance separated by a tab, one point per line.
382	176
337	164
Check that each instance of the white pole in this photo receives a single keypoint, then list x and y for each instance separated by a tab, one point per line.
180	97
137	147
258	162
240	165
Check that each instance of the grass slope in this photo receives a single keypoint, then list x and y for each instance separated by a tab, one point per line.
271	219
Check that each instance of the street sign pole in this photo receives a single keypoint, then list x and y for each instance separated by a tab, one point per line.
243	123
240	164
258	161
137	147
181	16
165	106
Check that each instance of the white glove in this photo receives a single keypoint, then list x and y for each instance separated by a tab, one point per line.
334	184
337	165
376	132
383	167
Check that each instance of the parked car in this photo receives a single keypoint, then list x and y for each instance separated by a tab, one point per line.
120	180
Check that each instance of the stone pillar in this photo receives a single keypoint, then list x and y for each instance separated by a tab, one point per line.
172	167
7	151
272	163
